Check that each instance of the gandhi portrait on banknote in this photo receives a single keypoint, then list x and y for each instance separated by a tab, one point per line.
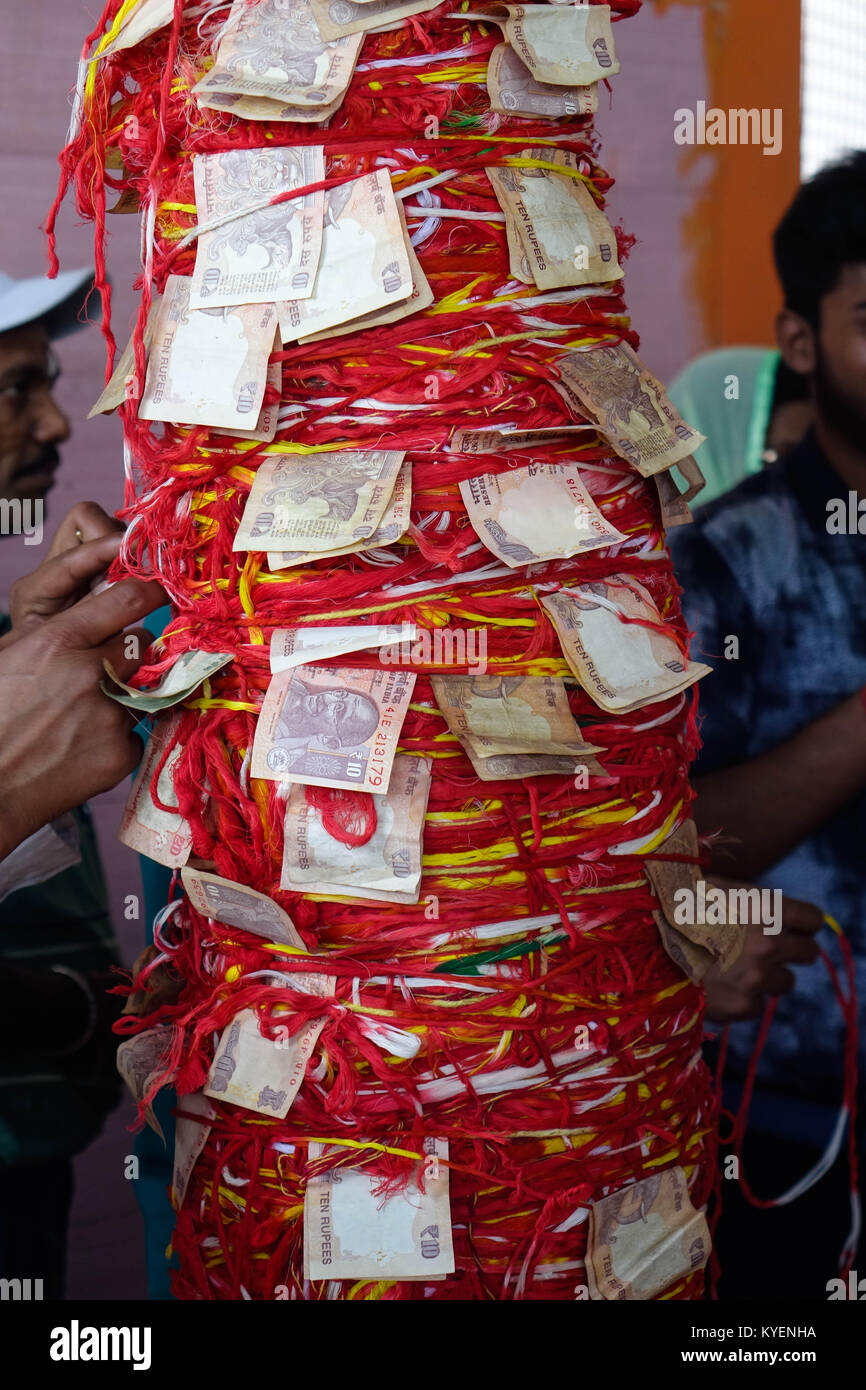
284	36
332	718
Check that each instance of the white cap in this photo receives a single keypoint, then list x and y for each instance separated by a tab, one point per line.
58	302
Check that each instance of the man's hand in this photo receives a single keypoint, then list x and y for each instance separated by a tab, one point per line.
61	739
84	523
762	969
68	571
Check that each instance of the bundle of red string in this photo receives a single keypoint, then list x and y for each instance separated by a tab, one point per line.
534	929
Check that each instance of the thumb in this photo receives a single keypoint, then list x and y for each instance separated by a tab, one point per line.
99	617
59	579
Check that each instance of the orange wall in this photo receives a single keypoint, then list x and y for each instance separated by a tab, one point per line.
752	60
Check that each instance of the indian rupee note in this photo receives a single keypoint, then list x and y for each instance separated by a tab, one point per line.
386	868
692	906
515	767
336	18
263	109
673	508
183	677
267	253
567	45
622	665
542	512
395	521
162	835
269	415
518	261
299	646
163	984
514	91
352	1232
122	382
275	49
147	17
510	714
611	385
693	960
259	1073
207	366
322	501
673	504
364	264
420	298
140	1060
564	235
193	1123
670	877
332	726
495	441
644	1238
236	905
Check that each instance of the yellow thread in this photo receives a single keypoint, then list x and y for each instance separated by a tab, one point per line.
221	704
368	1144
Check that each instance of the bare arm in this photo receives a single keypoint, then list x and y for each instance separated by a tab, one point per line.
775	801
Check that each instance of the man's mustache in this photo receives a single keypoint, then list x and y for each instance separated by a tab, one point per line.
46	461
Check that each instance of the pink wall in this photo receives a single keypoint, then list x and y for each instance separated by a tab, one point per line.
39	46
662	68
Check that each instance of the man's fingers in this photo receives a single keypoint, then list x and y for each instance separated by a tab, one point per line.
779	980
126	651
132	758
58	580
801	917
86	522
92	557
99	617
751	1006
730	1003
800	948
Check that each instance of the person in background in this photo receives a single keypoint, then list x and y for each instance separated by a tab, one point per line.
752	408
61	740
774	575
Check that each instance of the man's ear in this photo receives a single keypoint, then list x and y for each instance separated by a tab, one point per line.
796	339
330	741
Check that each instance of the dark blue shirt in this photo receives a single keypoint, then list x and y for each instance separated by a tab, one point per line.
761	565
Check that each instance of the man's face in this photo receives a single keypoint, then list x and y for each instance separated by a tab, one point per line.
333	712
840	372
32	425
